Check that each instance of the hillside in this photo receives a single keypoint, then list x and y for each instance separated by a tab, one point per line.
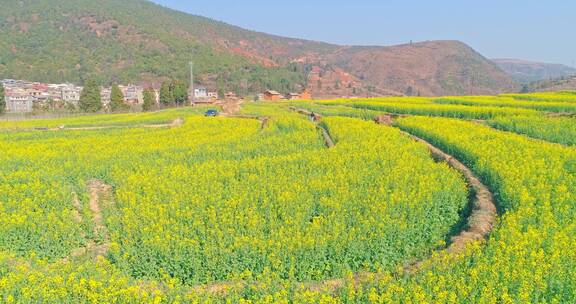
138	41
552	85
431	68
528	71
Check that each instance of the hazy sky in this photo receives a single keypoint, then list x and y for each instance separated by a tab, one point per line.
529	29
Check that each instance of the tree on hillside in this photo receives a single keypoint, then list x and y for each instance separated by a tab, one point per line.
166	95
117	100
409	91
221	93
180	92
149	99
337	85
2	100
90	100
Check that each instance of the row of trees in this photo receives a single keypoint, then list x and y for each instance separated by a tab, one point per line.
172	93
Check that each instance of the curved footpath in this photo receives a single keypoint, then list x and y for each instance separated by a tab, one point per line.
483	209
479	223
483	215
317	117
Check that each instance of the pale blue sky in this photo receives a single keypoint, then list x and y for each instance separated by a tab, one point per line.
529	29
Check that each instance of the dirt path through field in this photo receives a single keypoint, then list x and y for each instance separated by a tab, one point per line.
264	120
231	107
560	114
479	223
327	138
484	211
317	118
99	194
173	124
483	215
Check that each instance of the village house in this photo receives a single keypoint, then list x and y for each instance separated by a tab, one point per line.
18	101
8	82
293	96
200	93
305	95
213	95
55	91
133	94
70	93
272	95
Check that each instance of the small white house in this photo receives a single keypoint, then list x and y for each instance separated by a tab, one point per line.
200	92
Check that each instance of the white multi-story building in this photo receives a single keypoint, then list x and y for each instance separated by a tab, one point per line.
70	93
133	94
19	103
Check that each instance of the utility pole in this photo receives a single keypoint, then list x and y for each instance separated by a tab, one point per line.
244	87
191	94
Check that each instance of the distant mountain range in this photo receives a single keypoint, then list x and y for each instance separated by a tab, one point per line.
524	71
138	41
564	83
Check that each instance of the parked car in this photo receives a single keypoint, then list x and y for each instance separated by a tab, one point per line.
211	113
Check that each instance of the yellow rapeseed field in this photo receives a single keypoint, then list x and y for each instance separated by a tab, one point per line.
109	209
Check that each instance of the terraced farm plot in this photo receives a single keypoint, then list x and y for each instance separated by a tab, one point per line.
135	208
560	130
488	101
527	258
432	109
199	204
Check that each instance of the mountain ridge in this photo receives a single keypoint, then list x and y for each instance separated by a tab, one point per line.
140	41
526	71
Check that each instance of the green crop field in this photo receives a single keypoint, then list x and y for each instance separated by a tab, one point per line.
175	207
